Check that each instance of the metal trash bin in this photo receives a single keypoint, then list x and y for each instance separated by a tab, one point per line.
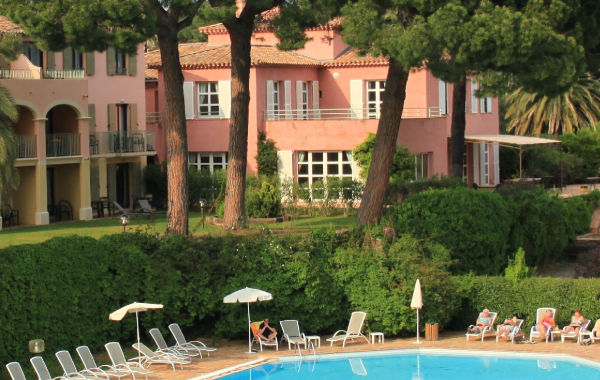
432	331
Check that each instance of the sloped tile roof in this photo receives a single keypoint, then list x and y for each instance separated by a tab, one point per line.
264	26
351	58
8	27
151	74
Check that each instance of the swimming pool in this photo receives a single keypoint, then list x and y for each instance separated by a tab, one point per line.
424	365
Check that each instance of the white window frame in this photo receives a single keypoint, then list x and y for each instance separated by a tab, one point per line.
276	100
374	106
485	176
120	63
311	177
304	102
421	166
213	109
195	161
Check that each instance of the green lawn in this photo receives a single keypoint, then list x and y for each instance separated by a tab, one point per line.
100	227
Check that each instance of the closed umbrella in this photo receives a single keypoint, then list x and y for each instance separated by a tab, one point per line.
417	303
136	308
248	295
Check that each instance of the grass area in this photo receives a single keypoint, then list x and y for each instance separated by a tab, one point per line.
100	227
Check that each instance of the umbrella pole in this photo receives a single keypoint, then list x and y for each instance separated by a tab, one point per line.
418	341
249	332
137	322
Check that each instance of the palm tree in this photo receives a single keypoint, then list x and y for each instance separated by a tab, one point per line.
9	175
534	114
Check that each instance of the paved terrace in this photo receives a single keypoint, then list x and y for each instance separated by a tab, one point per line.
232	353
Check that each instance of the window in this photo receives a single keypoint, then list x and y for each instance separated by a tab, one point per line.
421	165
76	60
303	111
122	118
374	98
317	166
208	99
486	105
443	93
485	174
208	161
120	62
32	53
465	174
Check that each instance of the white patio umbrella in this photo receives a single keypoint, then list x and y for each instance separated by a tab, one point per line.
417	303
136	308
248	295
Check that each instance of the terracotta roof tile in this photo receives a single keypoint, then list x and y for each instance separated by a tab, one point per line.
7	26
264	26
151	74
351	58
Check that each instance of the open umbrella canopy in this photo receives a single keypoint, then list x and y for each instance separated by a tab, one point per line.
135	307
248	295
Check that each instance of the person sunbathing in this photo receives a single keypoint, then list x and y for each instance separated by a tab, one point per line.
482	322
577	322
507	327
266	332
547	324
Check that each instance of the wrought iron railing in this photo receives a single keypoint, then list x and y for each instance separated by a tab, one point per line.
64	74
26	146
154	117
348	114
63	144
114	142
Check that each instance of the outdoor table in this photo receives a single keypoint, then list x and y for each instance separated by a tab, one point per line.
379	335
310	338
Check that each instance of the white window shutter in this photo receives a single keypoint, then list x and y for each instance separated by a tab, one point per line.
474	99
496	164
270	100
482	164
224	99
188	100
443	98
315	99
287	89
489	105
285	164
476	177
356	98
299	97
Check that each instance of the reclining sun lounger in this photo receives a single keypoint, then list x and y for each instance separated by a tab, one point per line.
571	334
69	368
164	347
255	327
90	364
539	315
486	330
357	319
291	333
16	371
117	357
150	357
42	371
182	344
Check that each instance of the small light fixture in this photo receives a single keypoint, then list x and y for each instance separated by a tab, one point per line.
122	100
202	202
336	75
36	346
124	221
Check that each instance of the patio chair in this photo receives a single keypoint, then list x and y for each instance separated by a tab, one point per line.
117	357
42	371
16	372
539	315
588	335
150	357
182	344
9	216
487	330
147	208
69	368
516	331
121	211
106	204
291	333
89	363
63	207
571	334
164	347
357	319
255	327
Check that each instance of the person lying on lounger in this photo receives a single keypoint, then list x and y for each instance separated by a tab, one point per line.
266	332
547	324
507	327
577	322
483	321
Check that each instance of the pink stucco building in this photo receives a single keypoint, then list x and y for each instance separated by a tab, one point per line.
317	104
81	131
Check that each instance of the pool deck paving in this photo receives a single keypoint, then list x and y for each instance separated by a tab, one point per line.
232	353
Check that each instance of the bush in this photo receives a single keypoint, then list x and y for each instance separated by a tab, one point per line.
380	281
517	268
403	167
399	190
263	199
584	144
588	265
473	225
266	156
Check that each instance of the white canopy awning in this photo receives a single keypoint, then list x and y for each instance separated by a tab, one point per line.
511	140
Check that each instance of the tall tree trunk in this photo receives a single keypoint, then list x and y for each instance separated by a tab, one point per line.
459	122
177	158
371	206
240	33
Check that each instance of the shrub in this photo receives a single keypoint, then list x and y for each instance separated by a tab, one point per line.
266	156
399	190
588	265
264	201
403	167
517	268
380	281
473	225
584	144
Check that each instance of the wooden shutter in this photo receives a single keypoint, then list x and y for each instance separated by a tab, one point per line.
474	101
496	151
287	99
112	117
111	61
90	63
68	58
50	60
111	182
94	182
299	96
315	94
270	100
224	99
285	164
92	115
443	97
133	117
489	105
476	177
188	100
132	64
136	181
356	98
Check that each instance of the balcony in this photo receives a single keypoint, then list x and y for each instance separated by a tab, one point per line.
102	143
42	74
26	146
348	114
63	144
154	117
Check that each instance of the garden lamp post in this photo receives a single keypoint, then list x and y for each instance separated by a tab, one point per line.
202	202
124	221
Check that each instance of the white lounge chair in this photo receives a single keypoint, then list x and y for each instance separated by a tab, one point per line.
539	315
69	368
16	371
121	211
182	344
357	319
589	334
291	333
150	357
487	330
147	208
571	334
255	327
117	357
164	347
90	364
42	371
516	331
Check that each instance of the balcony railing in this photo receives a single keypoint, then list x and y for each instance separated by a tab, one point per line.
154	117
39	73
26	146
19	74
348	113
122	142
63	144
64	74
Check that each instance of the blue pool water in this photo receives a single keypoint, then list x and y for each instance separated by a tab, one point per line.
424	367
